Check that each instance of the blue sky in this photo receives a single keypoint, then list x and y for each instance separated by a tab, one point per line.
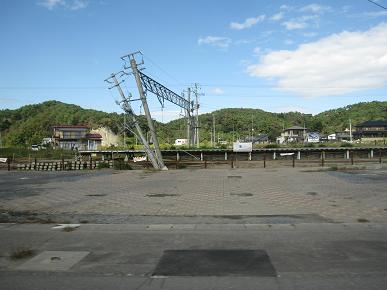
278	56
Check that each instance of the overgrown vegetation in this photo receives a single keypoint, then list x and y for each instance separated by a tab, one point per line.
30	124
121	165
102	165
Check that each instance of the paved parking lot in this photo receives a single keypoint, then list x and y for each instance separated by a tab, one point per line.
115	196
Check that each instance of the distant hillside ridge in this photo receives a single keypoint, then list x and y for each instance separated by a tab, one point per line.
30	124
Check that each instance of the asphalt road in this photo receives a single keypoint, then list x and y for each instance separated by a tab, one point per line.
302	256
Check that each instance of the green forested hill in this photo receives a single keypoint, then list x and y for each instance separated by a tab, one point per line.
338	119
29	124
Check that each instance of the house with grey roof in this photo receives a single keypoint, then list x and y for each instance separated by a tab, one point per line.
293	134
371	129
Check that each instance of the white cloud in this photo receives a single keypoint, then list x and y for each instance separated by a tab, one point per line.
247	23
278	16
301	22
315	8
337	64
285	7
288	42
257	51
51	4
67	4
217	41
375	14
217	91
291	25
77	4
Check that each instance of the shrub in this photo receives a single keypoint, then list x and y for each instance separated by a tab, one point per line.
272	145
122	166
103	165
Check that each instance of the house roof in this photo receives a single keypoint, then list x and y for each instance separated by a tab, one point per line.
71	126
94	136
373	123
296	128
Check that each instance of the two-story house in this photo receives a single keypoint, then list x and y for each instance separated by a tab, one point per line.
75	137
293	134
371	129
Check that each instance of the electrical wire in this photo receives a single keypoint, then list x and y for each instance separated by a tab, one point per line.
377	4
163	70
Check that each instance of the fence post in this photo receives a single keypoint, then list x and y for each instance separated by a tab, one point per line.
380	156
35	163
62	163
351	157
294	162
322	159
264	161
9	163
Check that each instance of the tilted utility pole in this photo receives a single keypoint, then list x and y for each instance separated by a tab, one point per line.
128	110
133	65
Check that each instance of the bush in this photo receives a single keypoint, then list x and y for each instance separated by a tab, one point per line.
346	145
102	165
122	166
272	145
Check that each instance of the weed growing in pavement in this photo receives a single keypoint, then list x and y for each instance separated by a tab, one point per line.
21	253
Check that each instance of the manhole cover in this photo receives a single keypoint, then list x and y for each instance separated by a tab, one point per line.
215	263
234	176
53	261
160	194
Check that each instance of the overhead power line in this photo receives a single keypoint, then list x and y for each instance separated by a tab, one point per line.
377	4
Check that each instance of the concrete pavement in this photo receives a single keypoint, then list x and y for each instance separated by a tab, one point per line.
305	229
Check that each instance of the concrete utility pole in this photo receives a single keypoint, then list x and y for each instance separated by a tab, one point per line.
350	130
189	123
128	109
133	65
213	129
252	128
197	135
124	131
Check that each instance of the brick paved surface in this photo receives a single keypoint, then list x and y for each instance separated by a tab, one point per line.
338	196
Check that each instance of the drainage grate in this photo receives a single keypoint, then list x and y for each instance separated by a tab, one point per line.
215	263
234	176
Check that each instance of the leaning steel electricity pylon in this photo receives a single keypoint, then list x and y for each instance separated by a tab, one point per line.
137	131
